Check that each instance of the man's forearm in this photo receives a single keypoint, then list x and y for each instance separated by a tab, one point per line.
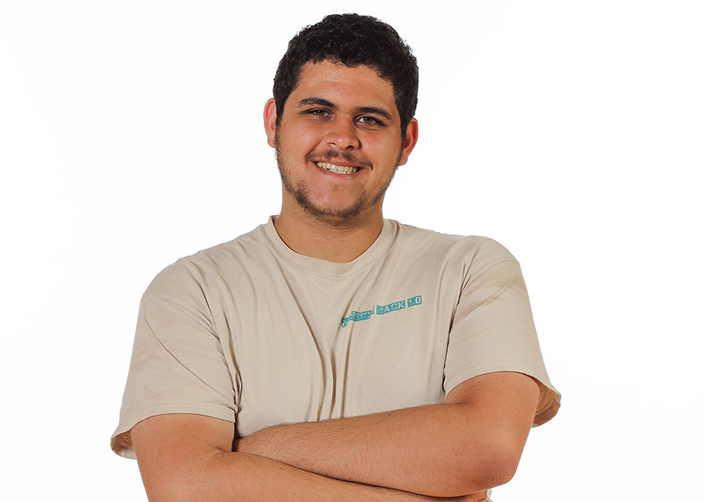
413	449
183	458
439	450
245	477
261	479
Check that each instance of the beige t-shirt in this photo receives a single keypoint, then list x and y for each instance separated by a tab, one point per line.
253	333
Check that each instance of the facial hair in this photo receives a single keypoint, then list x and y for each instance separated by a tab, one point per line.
333	216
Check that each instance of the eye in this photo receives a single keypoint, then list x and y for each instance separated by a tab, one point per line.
318	112
369	120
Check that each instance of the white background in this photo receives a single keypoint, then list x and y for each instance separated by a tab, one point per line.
572	132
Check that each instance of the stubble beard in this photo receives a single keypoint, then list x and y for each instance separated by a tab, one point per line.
336	217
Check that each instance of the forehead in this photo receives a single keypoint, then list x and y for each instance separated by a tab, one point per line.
344	85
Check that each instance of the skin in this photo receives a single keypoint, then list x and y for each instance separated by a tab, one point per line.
431	453
453	451
468	444
186	458
344	116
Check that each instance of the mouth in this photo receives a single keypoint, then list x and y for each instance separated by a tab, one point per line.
337	169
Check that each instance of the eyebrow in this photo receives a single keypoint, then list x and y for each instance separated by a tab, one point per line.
315	100
375	110
318	101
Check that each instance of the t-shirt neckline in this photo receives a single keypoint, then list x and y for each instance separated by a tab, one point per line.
318	266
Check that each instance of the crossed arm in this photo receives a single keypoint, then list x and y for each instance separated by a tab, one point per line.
448	451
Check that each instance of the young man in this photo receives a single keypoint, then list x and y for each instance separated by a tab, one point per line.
332	354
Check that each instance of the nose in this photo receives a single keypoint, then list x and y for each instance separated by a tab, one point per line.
342	134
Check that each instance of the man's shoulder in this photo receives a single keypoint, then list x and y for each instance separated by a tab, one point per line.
250	242
474	247
213	263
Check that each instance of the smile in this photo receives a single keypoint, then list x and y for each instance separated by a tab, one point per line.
337	169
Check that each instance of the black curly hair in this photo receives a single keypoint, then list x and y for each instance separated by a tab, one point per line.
353	40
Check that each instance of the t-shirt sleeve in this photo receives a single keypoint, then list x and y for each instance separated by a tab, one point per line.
493	328
178	363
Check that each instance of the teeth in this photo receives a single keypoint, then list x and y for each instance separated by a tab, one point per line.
337	169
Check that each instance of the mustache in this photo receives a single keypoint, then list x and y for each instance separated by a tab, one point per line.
330	155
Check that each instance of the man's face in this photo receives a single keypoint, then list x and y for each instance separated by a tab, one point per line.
339	142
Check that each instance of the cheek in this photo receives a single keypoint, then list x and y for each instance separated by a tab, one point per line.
303	135
385	149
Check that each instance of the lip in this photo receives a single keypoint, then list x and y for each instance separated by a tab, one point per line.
342	159
341	163
344	170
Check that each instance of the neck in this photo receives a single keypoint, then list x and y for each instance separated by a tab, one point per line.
331	241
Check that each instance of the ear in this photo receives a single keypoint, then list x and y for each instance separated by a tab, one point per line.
270	121
412	136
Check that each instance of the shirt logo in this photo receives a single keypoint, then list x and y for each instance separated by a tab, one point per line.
364	315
